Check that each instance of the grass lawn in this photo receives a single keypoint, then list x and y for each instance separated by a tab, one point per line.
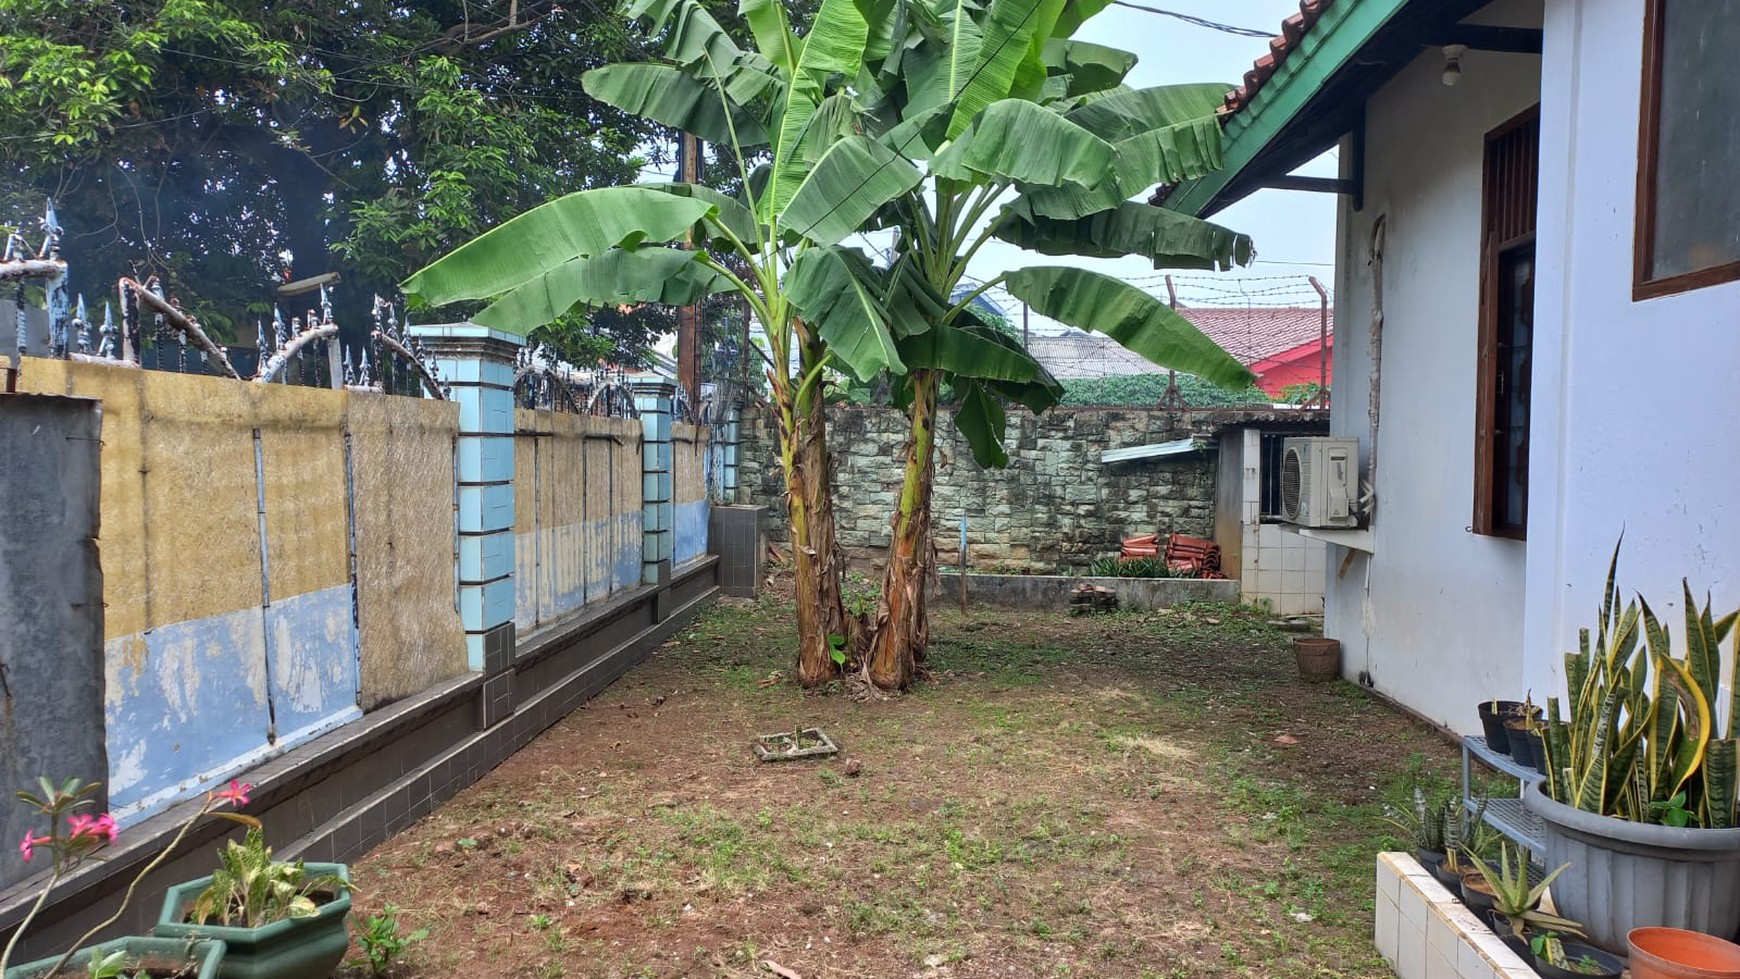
1129	795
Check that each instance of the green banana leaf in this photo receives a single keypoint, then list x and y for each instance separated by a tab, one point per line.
937	71
676	98
692	37
668	276
1182	152
731	214
1136	111
773	35
1087	67
981	420
854	178
967	352
580	225
1009	28
1020	141
1167	239
837	290
834	46
1091	301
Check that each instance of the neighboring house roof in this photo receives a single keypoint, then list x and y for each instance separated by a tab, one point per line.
1252	334
1310	89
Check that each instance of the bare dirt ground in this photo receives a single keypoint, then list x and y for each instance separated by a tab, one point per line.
1128	795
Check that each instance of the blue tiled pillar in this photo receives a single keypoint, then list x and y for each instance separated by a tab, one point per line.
479	363
655	399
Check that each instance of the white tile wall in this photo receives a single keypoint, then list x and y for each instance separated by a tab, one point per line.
1425	933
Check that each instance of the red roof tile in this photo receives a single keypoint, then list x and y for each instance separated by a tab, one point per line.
1249	333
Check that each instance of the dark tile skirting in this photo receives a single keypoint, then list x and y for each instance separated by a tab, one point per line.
342	794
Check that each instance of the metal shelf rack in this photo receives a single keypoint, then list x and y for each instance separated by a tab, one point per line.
1508	816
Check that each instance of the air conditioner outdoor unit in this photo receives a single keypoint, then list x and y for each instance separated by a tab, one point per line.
1319	481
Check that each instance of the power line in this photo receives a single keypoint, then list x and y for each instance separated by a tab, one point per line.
1197	21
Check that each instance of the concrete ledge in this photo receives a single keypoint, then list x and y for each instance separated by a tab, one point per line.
1051	591
1424	932
345	792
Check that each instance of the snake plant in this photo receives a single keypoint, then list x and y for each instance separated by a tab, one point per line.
1642	738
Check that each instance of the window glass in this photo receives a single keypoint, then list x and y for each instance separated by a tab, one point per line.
1697	165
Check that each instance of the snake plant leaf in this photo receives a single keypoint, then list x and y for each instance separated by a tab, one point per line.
667	276
1020	141
1695	732
580	225
675	97
834	46
1703	647
1131	113
980	419
852	180
1589	787
835	290
1142	324
1720	770
1166	239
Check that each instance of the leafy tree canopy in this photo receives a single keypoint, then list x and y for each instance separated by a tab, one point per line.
225	145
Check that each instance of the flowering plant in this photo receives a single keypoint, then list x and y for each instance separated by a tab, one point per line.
74	835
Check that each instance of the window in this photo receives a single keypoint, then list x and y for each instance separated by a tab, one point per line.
1269	471
1507	309
1688	148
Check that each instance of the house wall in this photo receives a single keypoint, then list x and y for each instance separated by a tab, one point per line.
1434	617
1276	565
1635	413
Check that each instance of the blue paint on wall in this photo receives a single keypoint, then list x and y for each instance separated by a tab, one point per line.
691	541
184	701
314	661
625	564
186	704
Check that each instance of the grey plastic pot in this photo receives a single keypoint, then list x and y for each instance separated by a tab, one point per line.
1626	875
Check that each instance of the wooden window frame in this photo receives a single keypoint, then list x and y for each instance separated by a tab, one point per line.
1486	376
1648	153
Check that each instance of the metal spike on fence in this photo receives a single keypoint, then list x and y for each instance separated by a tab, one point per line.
181	342
349	370
82	321
363	377
159	326
110	344
51	232
280	333
21	325
325	305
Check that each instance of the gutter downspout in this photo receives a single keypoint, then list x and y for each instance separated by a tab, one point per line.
1374	357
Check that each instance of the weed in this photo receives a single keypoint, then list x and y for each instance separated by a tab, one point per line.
381	942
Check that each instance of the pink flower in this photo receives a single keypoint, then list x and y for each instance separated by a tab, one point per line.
28	845
236	793
93	826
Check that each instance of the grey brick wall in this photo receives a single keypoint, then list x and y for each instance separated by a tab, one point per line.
1056	507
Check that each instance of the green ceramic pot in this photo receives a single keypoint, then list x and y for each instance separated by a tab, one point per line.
295	948
168	956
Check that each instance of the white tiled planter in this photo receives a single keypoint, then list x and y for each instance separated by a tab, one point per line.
1424	932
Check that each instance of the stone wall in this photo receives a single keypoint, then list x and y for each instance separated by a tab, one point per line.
1056	507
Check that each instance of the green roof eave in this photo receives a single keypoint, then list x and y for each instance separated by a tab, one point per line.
1337	37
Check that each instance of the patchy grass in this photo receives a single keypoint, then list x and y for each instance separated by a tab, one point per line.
1131	795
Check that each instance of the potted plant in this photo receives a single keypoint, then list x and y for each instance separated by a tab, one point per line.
1640	786
1675	953
71	837
1465	833
1518	725
278	919
1556	958
1318	658
1514	902
1492	717
1423	825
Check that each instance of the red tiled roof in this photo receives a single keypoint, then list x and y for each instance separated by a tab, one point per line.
1250	333
1293	30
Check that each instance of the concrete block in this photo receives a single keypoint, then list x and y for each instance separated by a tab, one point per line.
1388	920
1439	967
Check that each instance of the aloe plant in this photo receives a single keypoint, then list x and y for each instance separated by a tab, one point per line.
1512	895
250	889
1641	739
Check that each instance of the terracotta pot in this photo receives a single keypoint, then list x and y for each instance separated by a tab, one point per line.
1674	953
1319	658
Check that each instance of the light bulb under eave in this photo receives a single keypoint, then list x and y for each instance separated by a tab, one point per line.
1452	74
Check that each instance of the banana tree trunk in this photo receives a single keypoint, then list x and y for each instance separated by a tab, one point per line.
816	564
902	625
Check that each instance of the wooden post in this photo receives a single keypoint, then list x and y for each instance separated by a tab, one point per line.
689	317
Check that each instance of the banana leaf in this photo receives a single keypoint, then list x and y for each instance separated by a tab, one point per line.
1019	141
1091	301
1166	239
667	276
676	98
834	46
845	187
836	289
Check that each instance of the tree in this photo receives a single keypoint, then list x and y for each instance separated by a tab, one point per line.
1028	136
223	145
785	101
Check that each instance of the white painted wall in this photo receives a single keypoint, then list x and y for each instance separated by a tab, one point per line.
1639	429
1435	617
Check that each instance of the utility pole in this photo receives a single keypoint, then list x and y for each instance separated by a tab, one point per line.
689	317
1024	343
1173	399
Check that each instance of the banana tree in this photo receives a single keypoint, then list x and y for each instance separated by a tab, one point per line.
1029	137
606	246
